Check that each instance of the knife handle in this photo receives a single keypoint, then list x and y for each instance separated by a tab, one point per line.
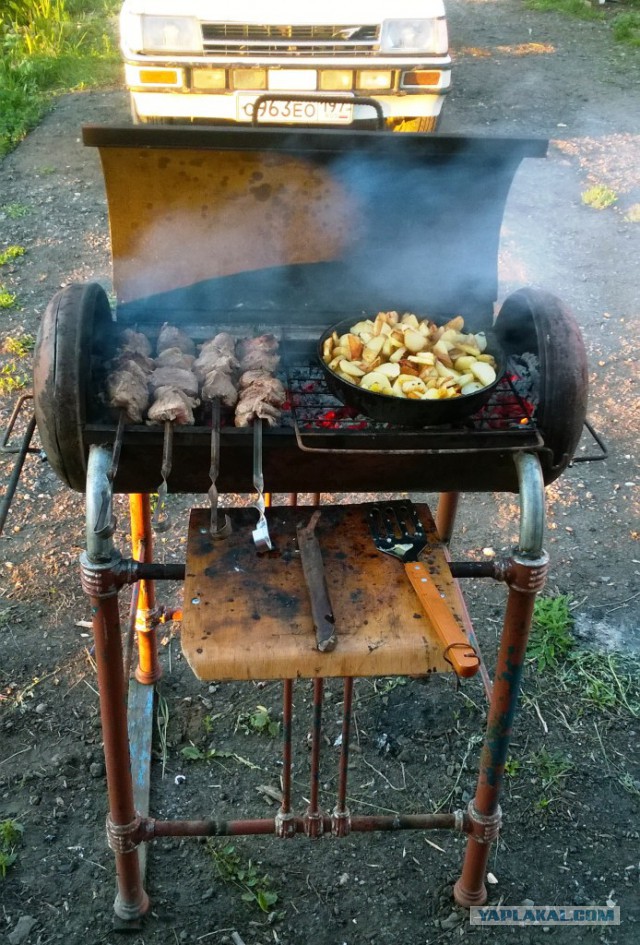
458	650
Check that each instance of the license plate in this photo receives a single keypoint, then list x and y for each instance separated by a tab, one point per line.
300	113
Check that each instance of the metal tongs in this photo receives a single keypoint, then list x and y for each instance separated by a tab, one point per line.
260	533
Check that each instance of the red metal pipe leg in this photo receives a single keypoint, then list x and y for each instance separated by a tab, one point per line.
148	670
285	826
313	818
446	515
526	578
341	822
131	899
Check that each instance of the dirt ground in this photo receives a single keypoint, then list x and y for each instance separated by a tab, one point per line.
572	796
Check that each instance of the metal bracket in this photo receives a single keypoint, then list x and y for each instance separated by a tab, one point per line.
484	828
21	452
600	443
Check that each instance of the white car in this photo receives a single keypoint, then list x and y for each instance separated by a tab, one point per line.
211	60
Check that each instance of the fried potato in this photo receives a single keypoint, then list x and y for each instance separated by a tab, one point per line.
412	359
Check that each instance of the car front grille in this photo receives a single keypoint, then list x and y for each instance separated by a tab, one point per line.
243	39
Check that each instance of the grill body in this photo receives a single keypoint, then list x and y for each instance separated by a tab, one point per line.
291	233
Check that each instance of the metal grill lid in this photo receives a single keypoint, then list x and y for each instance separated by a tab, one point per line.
294	223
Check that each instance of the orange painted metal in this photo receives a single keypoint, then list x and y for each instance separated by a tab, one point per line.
446	515
148	670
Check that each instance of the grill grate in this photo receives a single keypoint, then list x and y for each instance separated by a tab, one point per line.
312	409
248	39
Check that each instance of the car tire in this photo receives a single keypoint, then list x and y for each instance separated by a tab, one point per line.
423	125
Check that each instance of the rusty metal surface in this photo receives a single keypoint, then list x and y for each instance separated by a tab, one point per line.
525	581
389	214
179	217
247	615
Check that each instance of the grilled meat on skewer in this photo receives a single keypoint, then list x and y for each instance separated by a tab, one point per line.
223	342
174	357
134	342
171	337
260	397
172	404
259	354
214	360
124	358
218	385
174	377
128	391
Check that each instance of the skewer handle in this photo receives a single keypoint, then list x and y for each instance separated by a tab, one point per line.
458	652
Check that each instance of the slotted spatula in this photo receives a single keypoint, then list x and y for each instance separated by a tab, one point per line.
397	531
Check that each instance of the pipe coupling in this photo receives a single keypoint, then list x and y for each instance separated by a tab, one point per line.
527	575
340	823
313	825
285	825
460	821
124	838
484	828
100	580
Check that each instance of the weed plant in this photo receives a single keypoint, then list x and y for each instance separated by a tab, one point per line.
10	837
255	887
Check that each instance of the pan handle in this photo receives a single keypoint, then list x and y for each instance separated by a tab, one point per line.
458	650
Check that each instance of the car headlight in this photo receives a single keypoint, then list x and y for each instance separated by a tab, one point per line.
171	34
415	36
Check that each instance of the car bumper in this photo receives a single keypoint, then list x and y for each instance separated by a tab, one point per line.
182	101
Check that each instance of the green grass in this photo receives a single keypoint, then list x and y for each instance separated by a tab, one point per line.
599	197
10	253
11	378
48	47
19	346
7	299
580	8
551	639
15	211
625	27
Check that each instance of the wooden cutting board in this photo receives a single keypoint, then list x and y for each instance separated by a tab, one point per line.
247	615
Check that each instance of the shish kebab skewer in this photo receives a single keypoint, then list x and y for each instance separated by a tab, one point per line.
260	397
214	368
175	389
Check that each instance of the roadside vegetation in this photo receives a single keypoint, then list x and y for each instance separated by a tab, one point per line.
625	26
48	47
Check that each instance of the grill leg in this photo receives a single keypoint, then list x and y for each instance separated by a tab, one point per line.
446	515
341	823
526	577
313	818
99	583
148	670
285	821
